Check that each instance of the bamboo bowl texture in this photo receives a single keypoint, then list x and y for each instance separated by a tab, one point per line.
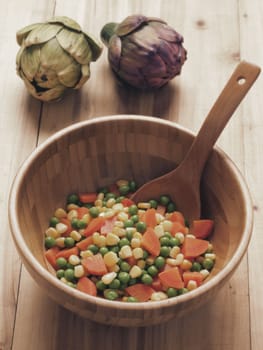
98	152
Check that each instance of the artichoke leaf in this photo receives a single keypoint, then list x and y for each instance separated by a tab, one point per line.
46	78
167	33
115	51
23	33
85	74
168	53
156	19
30	61
66	21
53	56
129	24
70	76
51	94
76	45
30	87
96	47
41	34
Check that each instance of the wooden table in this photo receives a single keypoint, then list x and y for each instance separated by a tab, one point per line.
217	35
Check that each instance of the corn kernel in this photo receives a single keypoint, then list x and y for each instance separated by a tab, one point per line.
159	230
74	259
135	271
109	213
72	206
122	182
75	235
189	235
180	236
135	242
167	225
150	261
205	273
52	232
61	228
186	265
122	216
172	262
86	253
191	285
72	214
79	271
98	239
108	277
118	223
100	196
60	242
110	259
159	218
114	268
98	203
112	239
86	218
120	232
156	296
110	202
174	252
141	263
118	207
137	235
210	248
60	213
125	252
137	253
144	205
211	256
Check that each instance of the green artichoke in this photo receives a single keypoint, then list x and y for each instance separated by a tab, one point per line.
55	56
143	51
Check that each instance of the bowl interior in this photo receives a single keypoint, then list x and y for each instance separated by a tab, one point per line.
98	152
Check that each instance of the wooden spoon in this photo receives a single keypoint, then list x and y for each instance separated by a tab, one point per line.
183	183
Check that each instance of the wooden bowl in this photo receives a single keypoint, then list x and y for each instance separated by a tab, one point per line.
98	152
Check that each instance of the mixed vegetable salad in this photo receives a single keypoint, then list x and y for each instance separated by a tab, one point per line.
104	244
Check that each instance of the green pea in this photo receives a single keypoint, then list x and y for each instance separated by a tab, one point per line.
146	278
165	251
174	241
207	263
69	266
69	275
81	224
103	190
75	223
171	292
69	242
73	199
60	273
124	266
132	281
152	270
145	254
94	212
119	199
103	250
124	241
128	223
115	249
132	300
153	203
72	285
196	266
133	209
53	221
159	262
164	200
100	285
115	284
141	227
124	190
61	263
134	218
123	277
109	195
171	207
49	242
93	248
129	235
182	291
110	294
164	241
133	186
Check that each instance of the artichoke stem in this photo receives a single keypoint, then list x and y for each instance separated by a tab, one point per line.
107	32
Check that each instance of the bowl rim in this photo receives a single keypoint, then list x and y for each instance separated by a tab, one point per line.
29	260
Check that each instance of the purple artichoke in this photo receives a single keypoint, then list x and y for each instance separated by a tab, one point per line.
143	51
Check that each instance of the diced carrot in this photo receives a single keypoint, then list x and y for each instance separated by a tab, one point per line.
66	222
82	211
131	260
150	217
202	228
84	243
178	217
157	284
161	209
193	247
108	225
194	276
88	197
178	227
142	292
50	255
95	265
94	225
171	278
87	286
65	253
127	202
151	242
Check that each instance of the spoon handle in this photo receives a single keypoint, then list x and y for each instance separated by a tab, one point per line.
234	91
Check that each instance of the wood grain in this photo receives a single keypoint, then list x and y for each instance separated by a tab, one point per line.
216	35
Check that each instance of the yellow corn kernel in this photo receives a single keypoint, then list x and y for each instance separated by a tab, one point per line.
171	262
141	263
137	235
74	260
72	206
159	230
144	205
110	259
86	218
125	252
72	214
110	202
108	277
60	242
98	239
156	296
150	261
211	256
98	203
122	216
137	253
159	218
79	271
100	196
120	232
118	207
109	213
61	228
122	182
135	242
189	235
118	223
180	236
135	271
114	268
210	248
174	252
167	225
112	239
186	265
86	253
191	285
60	213
52	232
205	273
132	231
75	235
